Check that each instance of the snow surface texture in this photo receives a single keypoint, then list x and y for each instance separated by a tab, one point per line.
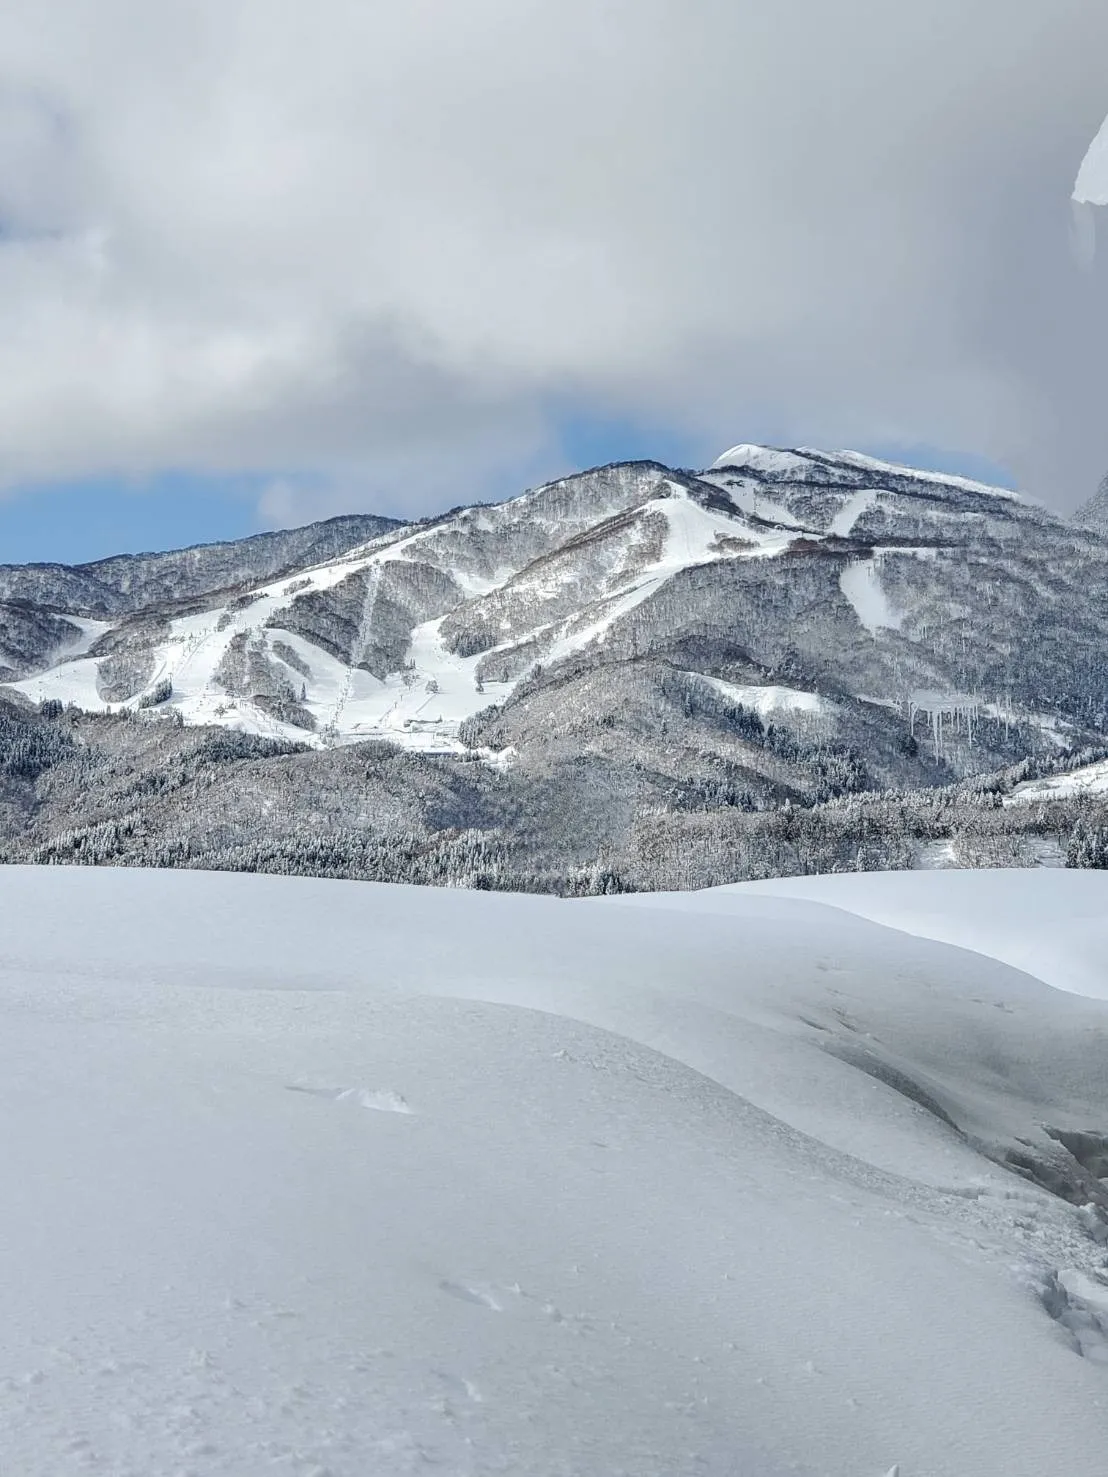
641	1189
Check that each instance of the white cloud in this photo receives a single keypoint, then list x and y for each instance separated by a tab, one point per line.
1091	187
1090	191
368	242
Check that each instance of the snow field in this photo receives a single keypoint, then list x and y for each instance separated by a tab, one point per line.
771	701
1090	779
1051	923
860	582
313	1177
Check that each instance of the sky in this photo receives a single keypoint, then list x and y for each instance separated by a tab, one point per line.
264	263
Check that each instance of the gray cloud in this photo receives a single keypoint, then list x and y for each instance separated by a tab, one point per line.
365	246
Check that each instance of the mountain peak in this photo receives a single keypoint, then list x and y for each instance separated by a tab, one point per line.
805	463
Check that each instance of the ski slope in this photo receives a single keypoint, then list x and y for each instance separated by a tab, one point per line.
421	707
313	1178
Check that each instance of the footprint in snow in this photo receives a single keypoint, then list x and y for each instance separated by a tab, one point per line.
466	1294
380	1100
461	1386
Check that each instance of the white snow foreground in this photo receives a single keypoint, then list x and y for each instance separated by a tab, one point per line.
320	1177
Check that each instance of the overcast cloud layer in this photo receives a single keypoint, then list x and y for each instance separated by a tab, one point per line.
374	244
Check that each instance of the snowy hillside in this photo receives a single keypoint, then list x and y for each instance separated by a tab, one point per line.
325	1178
880	593
629	679
125	583
1050	923
340	652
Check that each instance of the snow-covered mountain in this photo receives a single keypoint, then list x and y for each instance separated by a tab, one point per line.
831	593
55	611
580	664
323	1178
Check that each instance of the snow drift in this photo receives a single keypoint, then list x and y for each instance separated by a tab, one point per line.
311	1178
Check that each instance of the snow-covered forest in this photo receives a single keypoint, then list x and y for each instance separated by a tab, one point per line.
94	790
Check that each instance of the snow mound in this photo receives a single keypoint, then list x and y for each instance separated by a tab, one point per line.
1052	924
704	1185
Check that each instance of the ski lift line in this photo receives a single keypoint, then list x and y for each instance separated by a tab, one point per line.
357	655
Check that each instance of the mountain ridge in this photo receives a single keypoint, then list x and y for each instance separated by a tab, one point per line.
482	595
328	537
613	651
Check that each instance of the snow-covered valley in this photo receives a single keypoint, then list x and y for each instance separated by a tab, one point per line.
319	1177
